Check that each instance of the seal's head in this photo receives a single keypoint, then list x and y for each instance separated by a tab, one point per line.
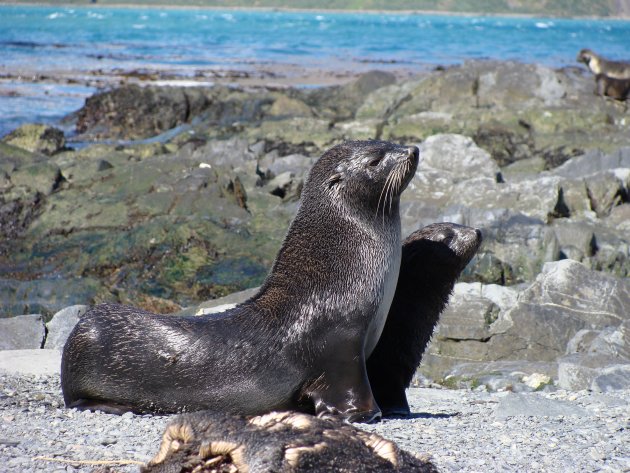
371	174
445	247
585	56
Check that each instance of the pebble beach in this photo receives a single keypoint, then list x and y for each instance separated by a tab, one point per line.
462	430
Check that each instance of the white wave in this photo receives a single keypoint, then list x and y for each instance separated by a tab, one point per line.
228	17
138	26
98	16
56	15
544	24
320	18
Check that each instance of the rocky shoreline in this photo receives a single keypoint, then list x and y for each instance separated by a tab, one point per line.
180	196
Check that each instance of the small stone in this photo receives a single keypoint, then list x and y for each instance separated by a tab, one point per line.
537	380
596	454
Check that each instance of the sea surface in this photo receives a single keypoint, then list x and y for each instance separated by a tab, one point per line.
39	45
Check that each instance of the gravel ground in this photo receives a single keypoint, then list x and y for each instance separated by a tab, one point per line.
465	431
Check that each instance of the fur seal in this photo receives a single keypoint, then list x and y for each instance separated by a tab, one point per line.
300	343
599	65
432	260
618	89
278	442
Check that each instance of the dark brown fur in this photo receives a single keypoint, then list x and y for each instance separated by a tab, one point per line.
618	89
278	442
432	260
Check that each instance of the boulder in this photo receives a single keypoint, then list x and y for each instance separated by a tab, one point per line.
37	138
60	326
22	332
561	303
341	102
591	371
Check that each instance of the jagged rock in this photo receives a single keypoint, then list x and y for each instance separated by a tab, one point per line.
37	138
459	156
22	332
342	102
611	341
133	112
285	106
503	297
576	240
60	326
594	161
515	111
592	371
562	301
295	135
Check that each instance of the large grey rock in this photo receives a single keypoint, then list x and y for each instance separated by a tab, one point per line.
22	332
576	239
593	371
458	156
565	299
610	341
60	326
504	297
592	162
612	378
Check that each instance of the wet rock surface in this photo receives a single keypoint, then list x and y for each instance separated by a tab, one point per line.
197	208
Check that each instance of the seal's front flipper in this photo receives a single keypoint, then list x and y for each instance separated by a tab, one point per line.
388	386
343	390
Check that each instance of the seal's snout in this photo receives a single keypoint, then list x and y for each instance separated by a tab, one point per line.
479	236
413	152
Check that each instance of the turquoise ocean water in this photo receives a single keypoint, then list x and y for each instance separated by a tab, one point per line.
54	40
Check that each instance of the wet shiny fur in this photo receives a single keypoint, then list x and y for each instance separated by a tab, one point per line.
300	343
432	260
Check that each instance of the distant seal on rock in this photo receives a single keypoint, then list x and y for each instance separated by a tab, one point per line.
278	442
432	260
300	343
618	89
599	65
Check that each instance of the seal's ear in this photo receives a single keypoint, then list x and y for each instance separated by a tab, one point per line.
334	179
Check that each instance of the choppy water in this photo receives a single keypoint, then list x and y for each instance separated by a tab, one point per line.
54	40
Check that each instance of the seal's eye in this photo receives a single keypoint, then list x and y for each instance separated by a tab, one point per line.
334	179
375	161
